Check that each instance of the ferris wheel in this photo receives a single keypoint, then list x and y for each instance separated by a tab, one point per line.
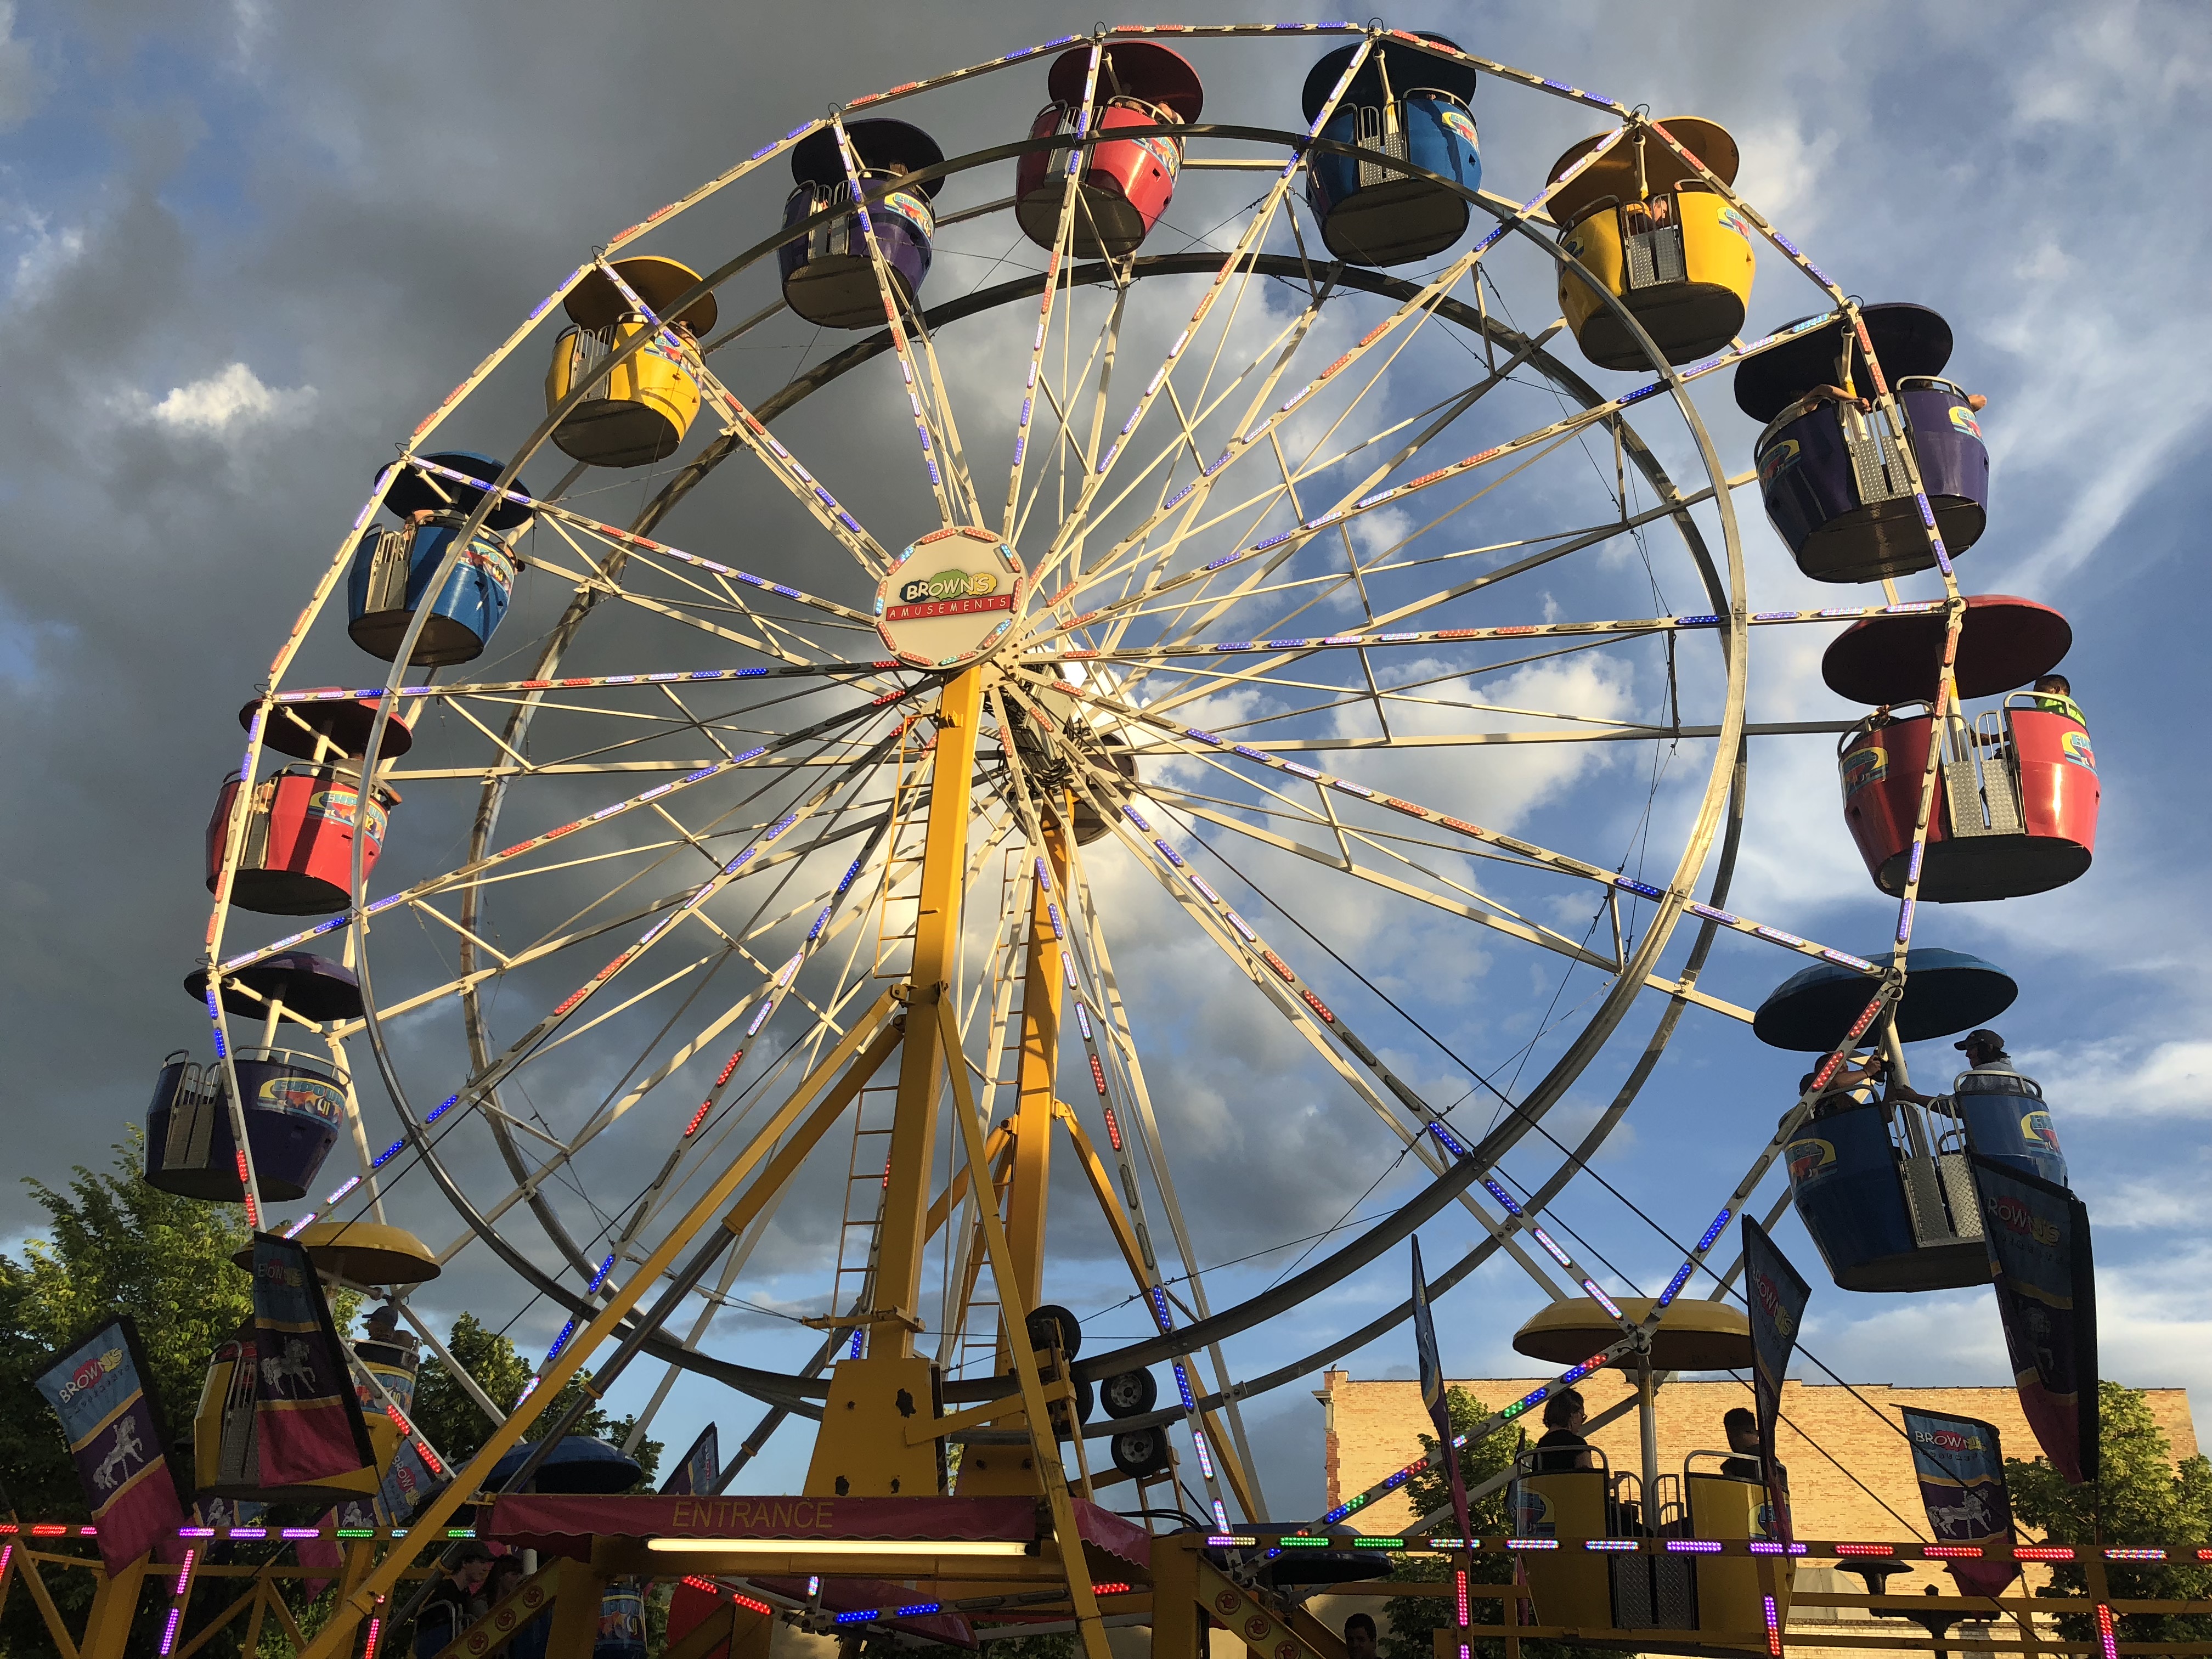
945	623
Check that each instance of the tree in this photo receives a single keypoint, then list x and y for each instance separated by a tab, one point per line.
1409	1621
2145	1499
458	1427
115	1244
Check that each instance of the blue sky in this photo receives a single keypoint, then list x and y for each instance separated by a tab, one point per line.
242	251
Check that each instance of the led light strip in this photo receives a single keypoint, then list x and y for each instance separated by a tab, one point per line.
1638	625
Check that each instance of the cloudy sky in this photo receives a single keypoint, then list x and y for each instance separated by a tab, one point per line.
247	247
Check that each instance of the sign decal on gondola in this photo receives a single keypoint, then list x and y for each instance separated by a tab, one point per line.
1961	1468
2037	1234
99	1389
308	1422
1777	1298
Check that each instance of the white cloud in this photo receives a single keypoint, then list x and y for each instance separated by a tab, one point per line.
2119	1077
231	401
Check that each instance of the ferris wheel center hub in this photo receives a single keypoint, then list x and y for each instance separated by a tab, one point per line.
950	599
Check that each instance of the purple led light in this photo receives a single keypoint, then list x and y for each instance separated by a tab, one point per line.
1693	1547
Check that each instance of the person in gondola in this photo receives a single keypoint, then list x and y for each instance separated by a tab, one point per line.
1563	1449
456	1600
1852	1085
1741	1429
2054	694
1985	1052
1359	1637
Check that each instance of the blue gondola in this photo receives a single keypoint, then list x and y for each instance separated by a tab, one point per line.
392	567
1834	485
1411	107
578	1464
1885	1188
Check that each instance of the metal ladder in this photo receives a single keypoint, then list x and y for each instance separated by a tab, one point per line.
867	1174
1978	784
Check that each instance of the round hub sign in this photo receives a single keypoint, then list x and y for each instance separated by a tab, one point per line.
949	597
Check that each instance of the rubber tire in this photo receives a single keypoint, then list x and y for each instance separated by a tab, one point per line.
1129	1393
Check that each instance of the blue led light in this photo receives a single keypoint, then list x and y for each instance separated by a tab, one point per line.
442	1108
1183	1387
1674	1287
387	1154
1160	1308
918	1609
1706	1243
1642	887
1502	1196
600	1276
862	1617
1451	1141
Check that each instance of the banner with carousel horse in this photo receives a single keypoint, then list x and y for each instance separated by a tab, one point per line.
100	1390
308	1422
1961	1468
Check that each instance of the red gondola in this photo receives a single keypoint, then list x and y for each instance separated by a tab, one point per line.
2017	793
1127	182
297	859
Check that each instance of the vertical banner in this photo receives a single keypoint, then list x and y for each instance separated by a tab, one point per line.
306	1421
1961	1468
1432	1390
702	1468
1777	1298
99	1389
2038	1233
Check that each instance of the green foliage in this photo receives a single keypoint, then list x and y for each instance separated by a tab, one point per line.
2144	1500
1408	1622
114	1245
458	1427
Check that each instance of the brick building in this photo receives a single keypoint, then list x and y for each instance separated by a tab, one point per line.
1845	1462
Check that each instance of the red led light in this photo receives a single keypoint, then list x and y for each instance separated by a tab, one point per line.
730	1068
1953	1552
49	1529
1864	1549
1459	1583
699	1117
1114	1588
1113	1130
1098	1074
2042	1553
699	1583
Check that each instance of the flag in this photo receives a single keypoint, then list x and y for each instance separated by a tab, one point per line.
1432	1390
1776	1297
2037	1234
701	1469
99	1389
308	1423
1961	1473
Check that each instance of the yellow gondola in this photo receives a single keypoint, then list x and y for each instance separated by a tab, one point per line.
1642	221
637	413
